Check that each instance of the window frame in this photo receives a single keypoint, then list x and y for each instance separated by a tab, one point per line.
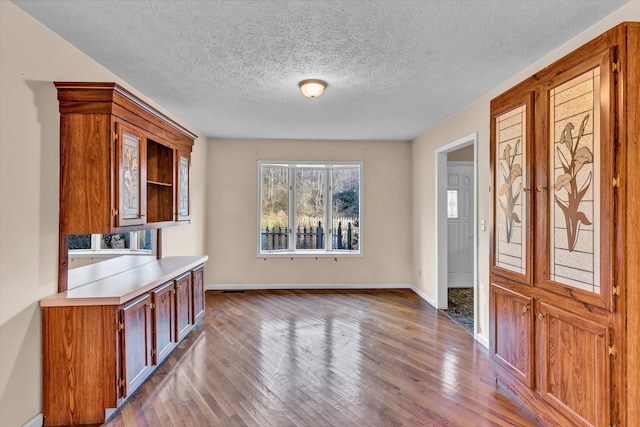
328	251
96	251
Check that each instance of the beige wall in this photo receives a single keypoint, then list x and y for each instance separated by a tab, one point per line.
462	154
474	118
232	220
31	57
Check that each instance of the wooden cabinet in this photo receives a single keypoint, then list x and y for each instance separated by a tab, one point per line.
560	142
574	365
98	351
512	326
197	279
123	164
183	305
160	182
164	320
136	343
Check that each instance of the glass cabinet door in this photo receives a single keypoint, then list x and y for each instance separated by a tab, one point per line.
131	188
184	184
510	137
578	192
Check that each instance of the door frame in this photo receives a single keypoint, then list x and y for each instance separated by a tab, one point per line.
441	240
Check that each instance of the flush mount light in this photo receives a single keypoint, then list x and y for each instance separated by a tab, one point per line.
312	88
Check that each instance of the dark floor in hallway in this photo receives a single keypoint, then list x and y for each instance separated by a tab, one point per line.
460	302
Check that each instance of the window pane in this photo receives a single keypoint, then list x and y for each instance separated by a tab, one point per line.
145	240
116	241
79	241
345	208
452	203
311	187
274	221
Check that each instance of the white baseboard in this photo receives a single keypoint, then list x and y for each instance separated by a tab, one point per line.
424	296
482	340
37	421
263	286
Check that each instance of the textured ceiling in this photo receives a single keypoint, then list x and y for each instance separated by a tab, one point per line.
395	68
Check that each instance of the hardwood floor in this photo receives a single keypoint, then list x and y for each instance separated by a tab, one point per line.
324	358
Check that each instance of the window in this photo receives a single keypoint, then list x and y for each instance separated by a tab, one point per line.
309	209
452	203
129	242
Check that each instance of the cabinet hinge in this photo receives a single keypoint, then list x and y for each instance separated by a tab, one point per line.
114	212
615	67
615	290
153	352
121	382
152	306
120	326
616	182
115	137
613	351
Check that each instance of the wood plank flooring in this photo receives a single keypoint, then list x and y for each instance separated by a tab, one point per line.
324	358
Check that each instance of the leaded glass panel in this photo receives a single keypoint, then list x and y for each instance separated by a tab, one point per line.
574	193
510	201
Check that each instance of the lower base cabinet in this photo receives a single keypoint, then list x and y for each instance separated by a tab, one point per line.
136	344
557	361
184	293
164	307
96	356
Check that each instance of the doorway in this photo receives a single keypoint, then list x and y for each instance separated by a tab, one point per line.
456	229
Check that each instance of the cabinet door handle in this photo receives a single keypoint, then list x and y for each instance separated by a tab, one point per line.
540	189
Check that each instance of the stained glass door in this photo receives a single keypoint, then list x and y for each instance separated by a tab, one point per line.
511	160
579	190
131	173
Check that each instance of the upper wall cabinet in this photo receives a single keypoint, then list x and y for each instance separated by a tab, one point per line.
123	164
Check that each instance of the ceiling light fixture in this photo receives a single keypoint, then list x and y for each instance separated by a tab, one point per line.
312	88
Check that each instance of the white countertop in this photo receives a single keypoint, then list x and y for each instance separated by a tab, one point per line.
122	279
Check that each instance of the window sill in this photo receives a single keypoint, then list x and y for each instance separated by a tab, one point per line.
106	253
310	254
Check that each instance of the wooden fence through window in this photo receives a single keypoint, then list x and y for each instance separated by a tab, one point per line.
308	237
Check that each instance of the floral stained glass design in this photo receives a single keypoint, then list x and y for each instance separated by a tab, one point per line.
511	209
130	178
574	201
183	187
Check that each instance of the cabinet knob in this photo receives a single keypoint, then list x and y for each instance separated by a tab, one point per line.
525	189
525	309
540	189
541	316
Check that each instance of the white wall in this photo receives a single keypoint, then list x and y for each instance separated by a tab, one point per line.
31	57
232	226
475	118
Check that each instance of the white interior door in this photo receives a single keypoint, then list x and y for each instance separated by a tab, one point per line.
460	187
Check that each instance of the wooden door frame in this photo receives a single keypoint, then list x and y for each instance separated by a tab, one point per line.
441	241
